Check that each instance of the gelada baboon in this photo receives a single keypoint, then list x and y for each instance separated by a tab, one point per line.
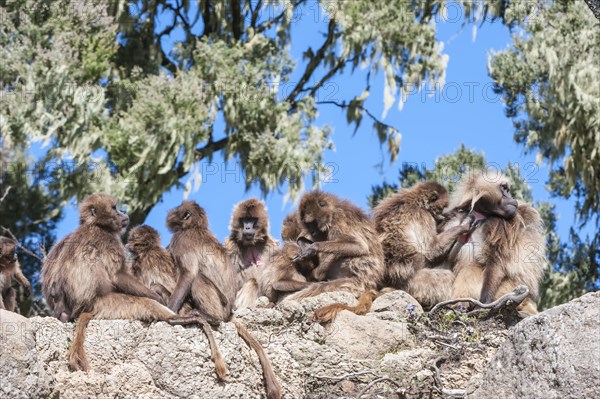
207	277
84	276
342	231
506	249
407	224
285	273
9	268
150	262
249	243
250	247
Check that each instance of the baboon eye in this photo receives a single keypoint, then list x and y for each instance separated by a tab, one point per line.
434	198
93	211
322	203
186	215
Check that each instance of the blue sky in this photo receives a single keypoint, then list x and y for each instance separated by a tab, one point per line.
432	124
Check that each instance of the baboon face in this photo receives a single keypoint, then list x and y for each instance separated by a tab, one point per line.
8	250
188	215
250	223
316	212
141	238
488	193
102	210
498	202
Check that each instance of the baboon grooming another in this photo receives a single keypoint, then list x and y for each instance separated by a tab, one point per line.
341	230
506	249
207	277
9	268
84	276
407	226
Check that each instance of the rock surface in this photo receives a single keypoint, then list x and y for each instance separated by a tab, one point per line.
553	355
387	353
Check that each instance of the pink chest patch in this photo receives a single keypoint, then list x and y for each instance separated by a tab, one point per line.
253	257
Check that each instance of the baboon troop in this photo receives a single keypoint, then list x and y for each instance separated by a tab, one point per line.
476	242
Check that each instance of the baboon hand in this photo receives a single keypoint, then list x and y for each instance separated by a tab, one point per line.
27	289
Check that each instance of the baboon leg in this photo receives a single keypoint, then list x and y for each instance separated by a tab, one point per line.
10	299
289	285
220	366
247	295
2	306
343	284
77	357
160	289
273	387
431	286
121	306
468	282
329	312
492	278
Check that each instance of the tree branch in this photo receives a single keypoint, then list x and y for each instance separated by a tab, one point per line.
361	107
314	62
5	194
512	299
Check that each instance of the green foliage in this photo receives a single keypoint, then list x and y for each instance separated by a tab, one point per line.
548	80
573	263
97	83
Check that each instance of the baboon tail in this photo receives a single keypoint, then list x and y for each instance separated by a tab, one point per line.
329	312
77	357
220	366
273	387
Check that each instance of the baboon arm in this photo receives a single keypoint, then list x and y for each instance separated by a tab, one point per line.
21	278
443	242
161	290
343	246
2	306
128	284
289	285
320	272
24	282
182	290
492	278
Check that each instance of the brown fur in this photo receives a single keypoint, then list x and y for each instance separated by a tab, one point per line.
150	262
85	276
9	268
250	247
207	276
329	312
342	231
506	249
407	226
286	272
